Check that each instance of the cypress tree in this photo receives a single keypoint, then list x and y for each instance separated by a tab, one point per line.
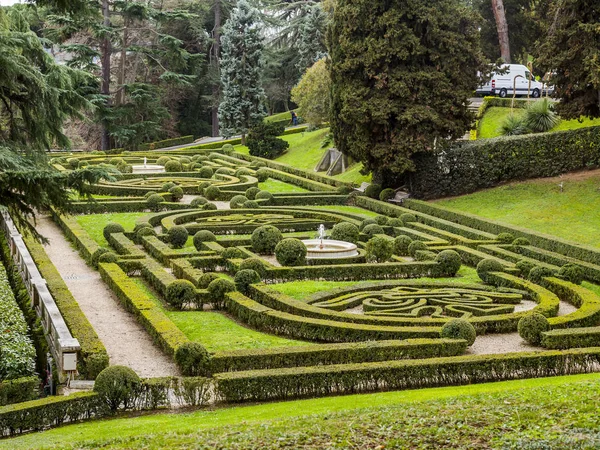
311	45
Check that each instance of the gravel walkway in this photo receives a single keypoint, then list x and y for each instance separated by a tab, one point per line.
127	343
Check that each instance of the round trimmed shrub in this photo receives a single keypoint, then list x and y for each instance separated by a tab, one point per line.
538	273
149	193
379	249
83	164
243	172
111	228
531	327
179	293
251	204
176	193
145	231
373	191
108	257
202	186
232	253
488	265
97	254
210	207
387	194
212	192
173	166
408	217
206	172
521	241
74	163
194	166
416	246
166	186
217	289
227	148
572	273
524	267
115	161
203	236
381	220
185	160
254	264
154	202
449	261
123	168
265	239
244	278
118	387
366	223
198	202
291	252
401	244
345	231
225	171
237	201
178	236
505	238
140	225
251	193
395	222
257	164
163	160
192	359
424	255
262	174
373	229
459	329
206	278
264	195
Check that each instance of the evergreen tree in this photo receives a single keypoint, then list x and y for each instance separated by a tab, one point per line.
241	62
311	45
572	53
401	76
312	94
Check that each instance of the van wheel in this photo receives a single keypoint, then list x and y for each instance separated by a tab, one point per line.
502	93
535	93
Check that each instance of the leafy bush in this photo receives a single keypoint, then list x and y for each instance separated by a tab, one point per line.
243	172
192	359
262	174
540	116
459	329
264	195
505	238
210	207
373	229
450	262
145	231
395	222
263	141
154	202
531	327
311	94
424	255
513	125
488	265
408	217
180	293
149	193
387	194
97	254
166	186
244	278
203	236
163	160
212	192
524	267
373	191
237	201
251	204
178	236
232	253
176	193
111	228
206	278
118	386
251	193
379	249
538	273
265	239
206	172
572	273
345	231
185	160
108	257
381	220
401	244
416	246
202	186
173	166
198	202
521	241
123	168
291	252
217	289
254	264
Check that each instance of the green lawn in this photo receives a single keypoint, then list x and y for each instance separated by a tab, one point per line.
275	186
573	214
95	223
549	413
280	116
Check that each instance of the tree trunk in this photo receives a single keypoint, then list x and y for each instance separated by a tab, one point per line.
217	86
105	49
122	63
502	27
243	141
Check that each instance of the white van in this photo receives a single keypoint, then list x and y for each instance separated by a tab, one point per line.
502	84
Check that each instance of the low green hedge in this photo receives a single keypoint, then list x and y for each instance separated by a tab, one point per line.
282	383
77	235
18	390
586	301
571	338
182	140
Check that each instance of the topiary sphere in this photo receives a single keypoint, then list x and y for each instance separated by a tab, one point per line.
265	239
209	207
206	278
202	187
257	164
237	201
212	192
176	193
572	273
408	217
154	202
449	261
524	267
198	202
538	273
244	278
291	252
218	289
97	254
366	223
424	255
459	329
166	186
180	293
415	246
185	160
203	236
192	359
243	172
251	193
531	327
112	227
254	264
488	265
227	148
387	194
381	220
395	222
115	161
521	241
379	249
123	168
177	236
345	231
108	257
232	253
141	225
372	230
163	160
173	166
265	196
118	387
225	171
145	231
373	191
505	238
149	193
251	204
401	244
262	174
344	189
206	172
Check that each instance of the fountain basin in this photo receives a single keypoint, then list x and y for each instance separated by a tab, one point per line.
331	249
148	168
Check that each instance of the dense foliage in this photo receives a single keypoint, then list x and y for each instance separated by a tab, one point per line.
263	141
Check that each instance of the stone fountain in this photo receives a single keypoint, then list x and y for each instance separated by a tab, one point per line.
321	247
148	168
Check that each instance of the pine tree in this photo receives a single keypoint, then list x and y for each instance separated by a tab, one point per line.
401	74
311	45
241	62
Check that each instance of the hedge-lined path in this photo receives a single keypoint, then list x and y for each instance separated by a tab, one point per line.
126	342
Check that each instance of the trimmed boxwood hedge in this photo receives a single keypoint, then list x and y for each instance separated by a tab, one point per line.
571	338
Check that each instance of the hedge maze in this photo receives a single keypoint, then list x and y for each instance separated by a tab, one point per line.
402	312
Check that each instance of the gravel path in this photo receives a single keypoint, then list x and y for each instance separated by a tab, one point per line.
500	343
127	343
